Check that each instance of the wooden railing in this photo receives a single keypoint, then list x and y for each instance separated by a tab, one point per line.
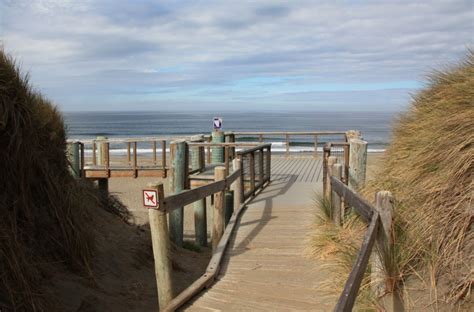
287	136
379	219
221	227
101	164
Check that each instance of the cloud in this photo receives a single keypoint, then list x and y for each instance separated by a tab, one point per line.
242	54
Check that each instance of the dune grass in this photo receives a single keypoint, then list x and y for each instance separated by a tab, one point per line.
46	216
429	169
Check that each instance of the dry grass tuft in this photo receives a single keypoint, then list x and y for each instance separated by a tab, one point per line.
429	169
46	215
338	248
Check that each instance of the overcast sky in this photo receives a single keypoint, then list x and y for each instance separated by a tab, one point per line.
233	55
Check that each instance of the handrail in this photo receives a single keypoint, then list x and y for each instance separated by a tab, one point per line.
231	144
130	140
377	217
220	234
289	132
369	214
187	197
256	148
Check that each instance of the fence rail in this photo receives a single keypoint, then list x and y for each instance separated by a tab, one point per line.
371	215
286	137
220	234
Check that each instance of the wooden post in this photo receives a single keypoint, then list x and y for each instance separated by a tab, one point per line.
380	282
107	159
315	154
129	158
154	153
287	136
357	163
230	138
161	251
326	154
177	185
208	151
163	158
229	206
226	160
331	161
200	213
135	160
269	163
346	164
102	150
237	185
353	134
218	216
103	184
261	173
94	153
74	160
252	171
217	152
336	203
83	159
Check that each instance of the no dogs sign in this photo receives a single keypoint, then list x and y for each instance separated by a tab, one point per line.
217	123
150	198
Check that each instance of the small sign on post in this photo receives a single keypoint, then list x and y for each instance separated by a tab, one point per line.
217	123
150	199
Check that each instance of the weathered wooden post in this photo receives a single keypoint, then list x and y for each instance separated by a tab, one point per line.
380	283
237	185
252	171
315	154
269	163
103	152
326	154
229	206
336	204
178	178
357	163
217	151
163	158
200	213
331	161
161	250
261	172
74	159
218	215
353	134
230	138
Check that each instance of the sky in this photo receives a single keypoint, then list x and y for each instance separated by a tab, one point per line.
233	55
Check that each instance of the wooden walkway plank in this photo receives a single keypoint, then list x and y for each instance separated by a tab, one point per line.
265	267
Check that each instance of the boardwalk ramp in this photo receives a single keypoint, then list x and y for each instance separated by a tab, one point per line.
265	267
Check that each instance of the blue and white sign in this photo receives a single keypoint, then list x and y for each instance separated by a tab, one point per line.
217	123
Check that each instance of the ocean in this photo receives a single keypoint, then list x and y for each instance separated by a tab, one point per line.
375	126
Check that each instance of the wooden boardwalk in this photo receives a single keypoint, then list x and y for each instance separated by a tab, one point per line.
302	169
265	267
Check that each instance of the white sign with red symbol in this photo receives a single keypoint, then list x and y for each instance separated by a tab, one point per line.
150	198
217	123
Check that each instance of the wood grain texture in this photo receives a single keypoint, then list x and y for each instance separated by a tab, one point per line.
265	267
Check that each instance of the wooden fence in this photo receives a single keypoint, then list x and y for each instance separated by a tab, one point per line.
379	220
224	179
287	136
